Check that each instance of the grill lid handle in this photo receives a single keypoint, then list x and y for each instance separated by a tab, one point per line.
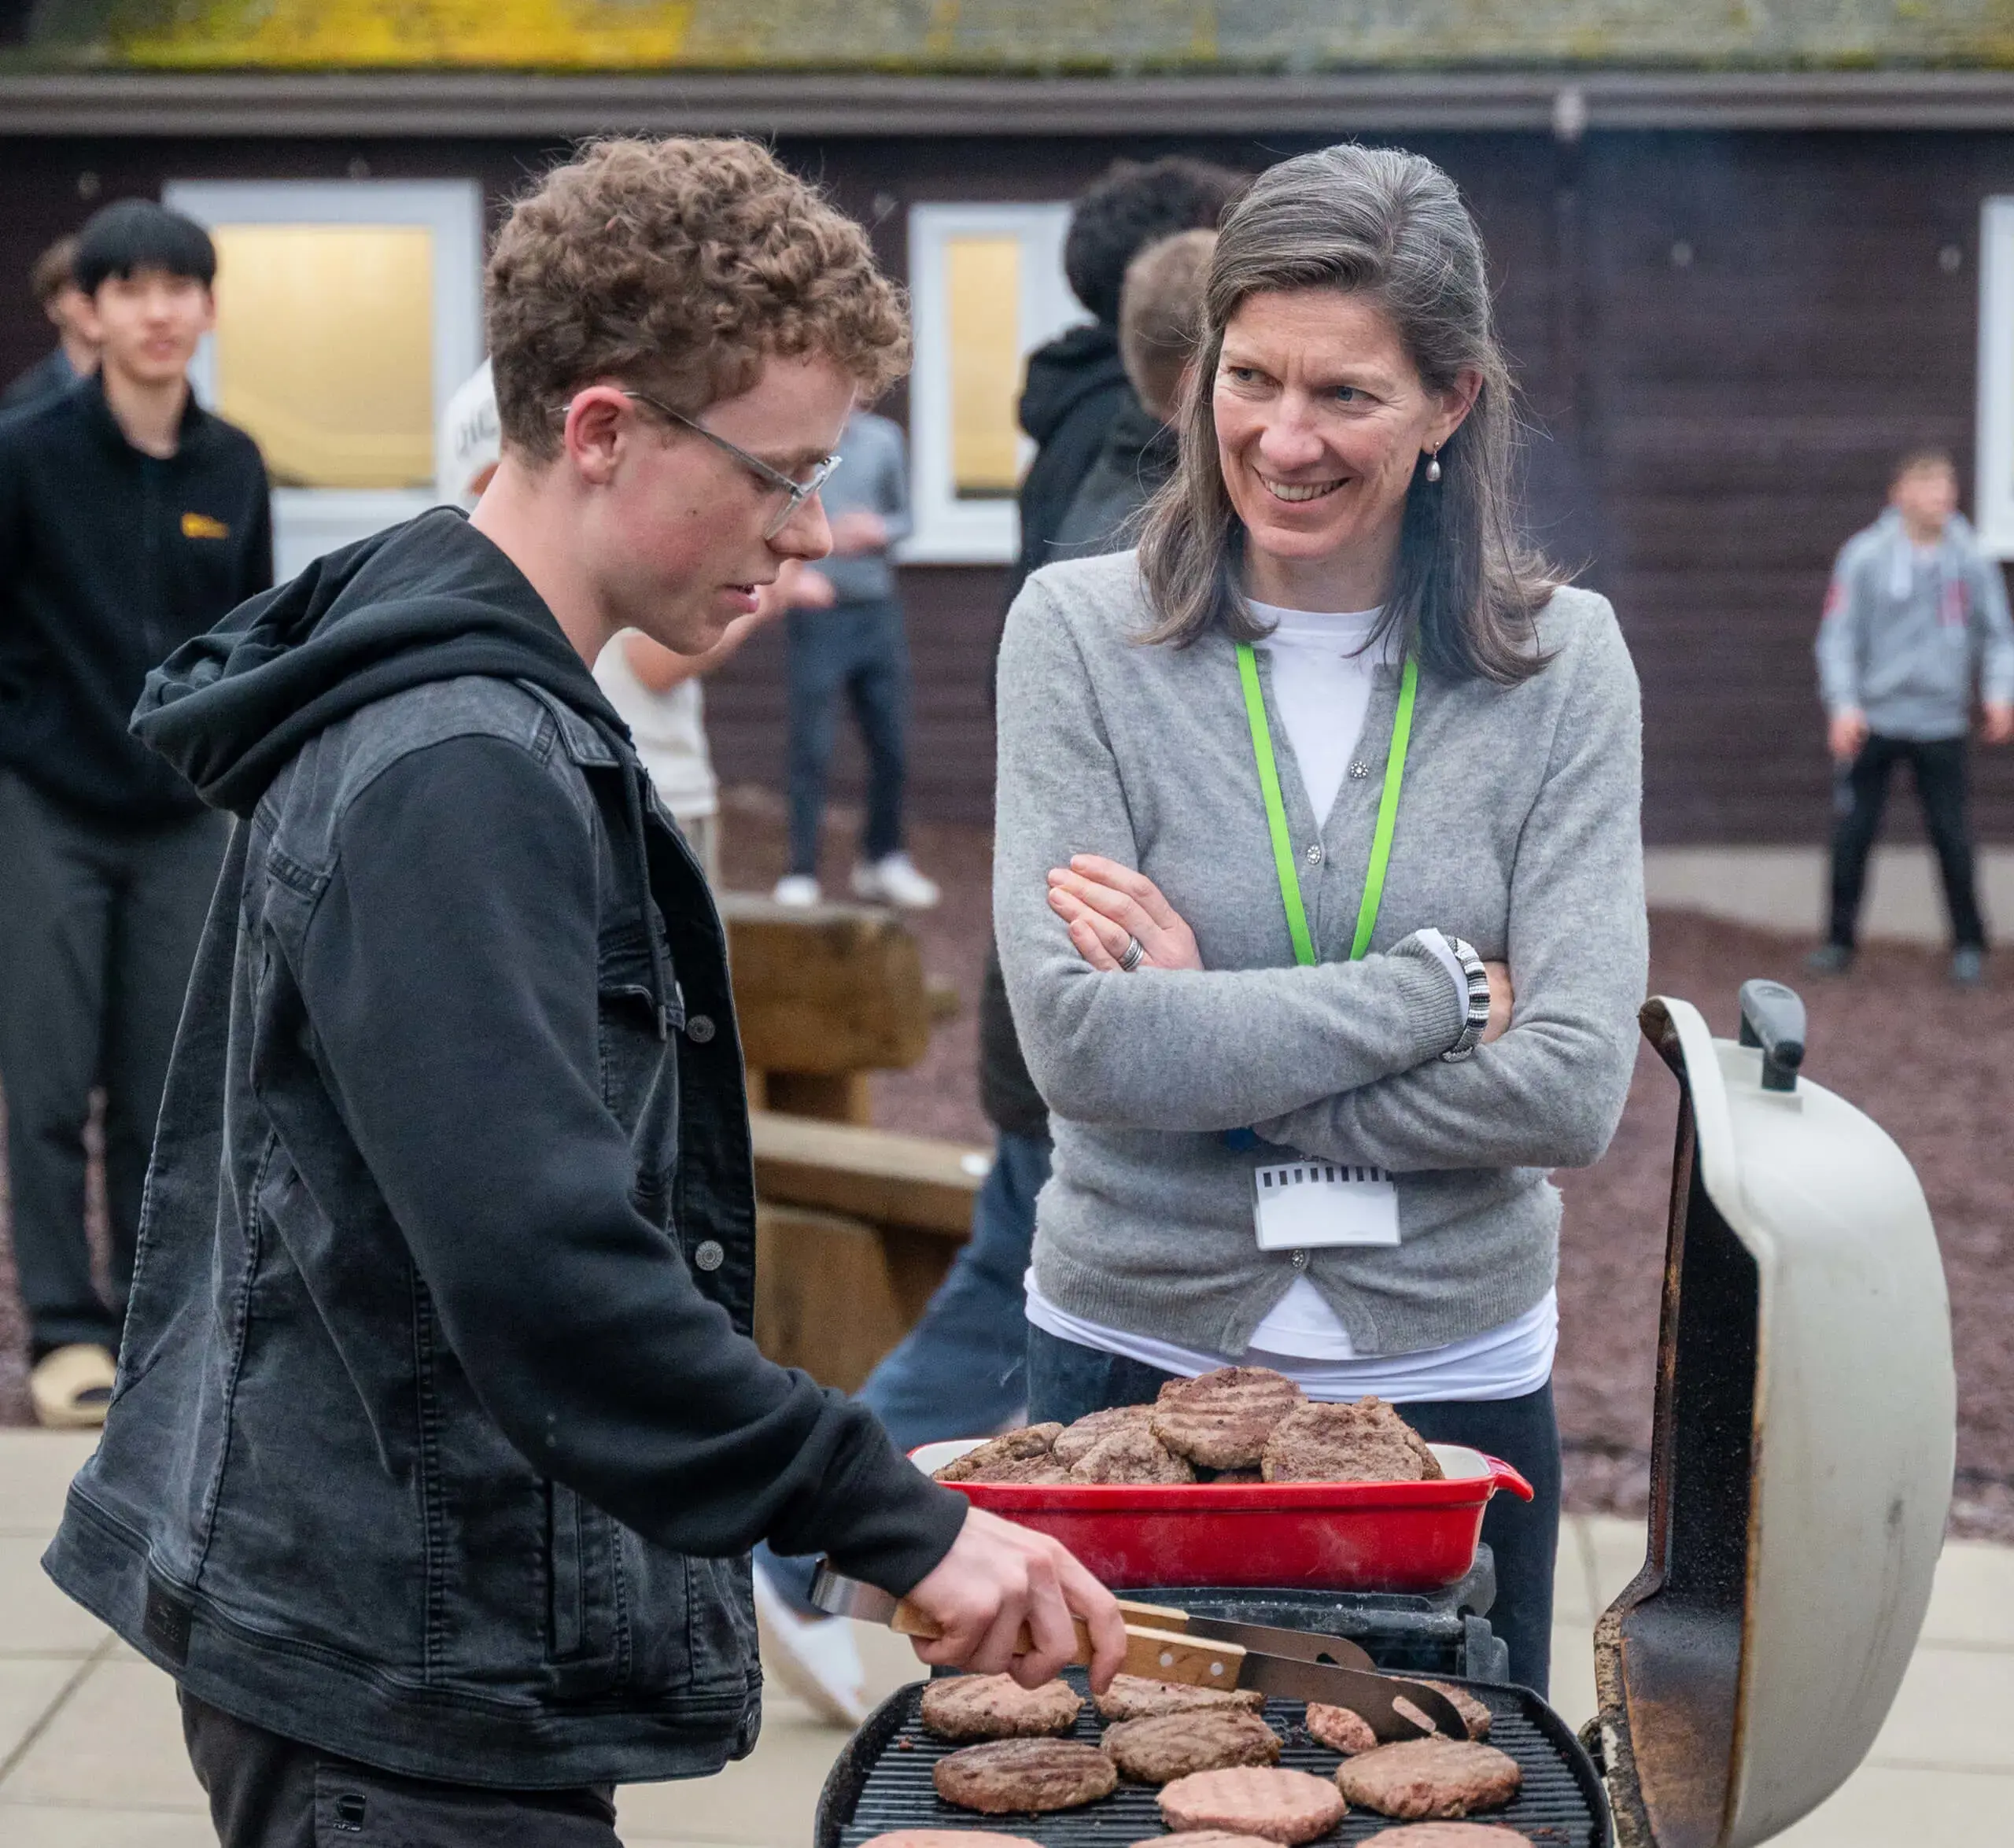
1772	1018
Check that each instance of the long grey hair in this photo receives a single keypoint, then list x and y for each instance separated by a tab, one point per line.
1389	226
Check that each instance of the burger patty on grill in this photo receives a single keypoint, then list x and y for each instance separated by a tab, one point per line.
1222	1419
1430	1777
1132	1453
1475	1716
948	1838
1339	1728
1364	1442
987	1462
1442	1834
997	1706
1160	1749
1078	1438
1287	1806
1035	1774
1201	1838
1134	1697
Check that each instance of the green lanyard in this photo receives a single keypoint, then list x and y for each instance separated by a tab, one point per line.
1284	863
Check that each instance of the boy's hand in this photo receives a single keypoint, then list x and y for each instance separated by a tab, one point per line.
1847	734
1999	726
998	1577
859	531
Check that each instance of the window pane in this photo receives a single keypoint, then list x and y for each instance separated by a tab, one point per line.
983	289
325	350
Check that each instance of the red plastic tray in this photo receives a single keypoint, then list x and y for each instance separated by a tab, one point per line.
1341	1536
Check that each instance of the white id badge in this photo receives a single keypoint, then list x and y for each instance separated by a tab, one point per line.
1304	1203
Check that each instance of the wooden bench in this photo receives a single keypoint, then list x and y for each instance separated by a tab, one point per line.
856	1226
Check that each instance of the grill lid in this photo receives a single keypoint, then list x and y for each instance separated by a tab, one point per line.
1802	1458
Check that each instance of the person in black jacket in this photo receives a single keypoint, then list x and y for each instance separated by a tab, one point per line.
68	309
131	519
1076	384
440	1441
1160	316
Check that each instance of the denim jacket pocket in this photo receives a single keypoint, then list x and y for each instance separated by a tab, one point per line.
585	1641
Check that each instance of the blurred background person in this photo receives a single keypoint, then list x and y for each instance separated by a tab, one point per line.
1077	383
1915	615
656	692
1159	314
846	635
68	308
131	519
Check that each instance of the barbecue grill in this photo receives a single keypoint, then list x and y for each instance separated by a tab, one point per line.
1801	1476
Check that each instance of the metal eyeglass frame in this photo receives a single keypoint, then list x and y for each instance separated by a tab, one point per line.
797	493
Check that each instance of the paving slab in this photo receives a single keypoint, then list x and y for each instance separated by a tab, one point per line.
115	1744
29	1686
35	1469
1878	1807
1573	1691
1573	1582
55	1825
1615	1555
1955	1710
36	1619
1972	1605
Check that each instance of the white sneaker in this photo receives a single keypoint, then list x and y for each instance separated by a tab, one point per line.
799	891
892	880
815	1658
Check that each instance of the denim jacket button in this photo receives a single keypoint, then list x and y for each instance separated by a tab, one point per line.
710	1256
700	1029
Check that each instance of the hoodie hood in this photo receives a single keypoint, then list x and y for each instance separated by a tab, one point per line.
1079	361
429	600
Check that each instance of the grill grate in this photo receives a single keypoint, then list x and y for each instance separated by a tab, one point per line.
882	1781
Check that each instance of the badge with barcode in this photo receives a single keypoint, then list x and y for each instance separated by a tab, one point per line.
1303	1203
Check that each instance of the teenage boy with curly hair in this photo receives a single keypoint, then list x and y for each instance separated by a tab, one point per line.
439	1441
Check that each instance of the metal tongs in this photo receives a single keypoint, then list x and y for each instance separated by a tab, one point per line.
1164	1643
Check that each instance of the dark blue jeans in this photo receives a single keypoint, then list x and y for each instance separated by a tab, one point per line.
862	650
962	1371
1066	1380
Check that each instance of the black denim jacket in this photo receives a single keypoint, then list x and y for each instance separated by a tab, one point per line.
438	1440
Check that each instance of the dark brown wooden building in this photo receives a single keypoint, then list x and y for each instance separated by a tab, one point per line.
1733	293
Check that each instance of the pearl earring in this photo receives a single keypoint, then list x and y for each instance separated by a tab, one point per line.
1434	465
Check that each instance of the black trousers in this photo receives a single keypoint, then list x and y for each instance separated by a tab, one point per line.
269	1792
1938	766
1066	1380
861	650
98	928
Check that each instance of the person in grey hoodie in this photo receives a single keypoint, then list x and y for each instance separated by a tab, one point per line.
1258	782
1916	613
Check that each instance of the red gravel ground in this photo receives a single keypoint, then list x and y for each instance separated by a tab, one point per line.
1927	1062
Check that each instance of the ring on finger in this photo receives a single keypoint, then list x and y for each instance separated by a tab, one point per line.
1129	959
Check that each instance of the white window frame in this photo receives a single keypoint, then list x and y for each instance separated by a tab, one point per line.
1994	475
948	530
309	521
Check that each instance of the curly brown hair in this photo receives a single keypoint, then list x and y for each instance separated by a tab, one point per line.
677	266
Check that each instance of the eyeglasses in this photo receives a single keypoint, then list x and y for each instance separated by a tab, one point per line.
795	493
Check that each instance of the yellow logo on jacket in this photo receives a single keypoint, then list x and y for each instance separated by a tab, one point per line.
195	526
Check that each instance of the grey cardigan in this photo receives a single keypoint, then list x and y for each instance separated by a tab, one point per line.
1518	829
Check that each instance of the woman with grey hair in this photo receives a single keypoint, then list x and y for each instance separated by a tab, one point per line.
1318	837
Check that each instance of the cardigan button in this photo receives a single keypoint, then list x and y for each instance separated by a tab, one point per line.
1314	853
711	1254
1301	1260
700	1029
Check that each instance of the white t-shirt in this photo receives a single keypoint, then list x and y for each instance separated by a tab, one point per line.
1321	680
670	732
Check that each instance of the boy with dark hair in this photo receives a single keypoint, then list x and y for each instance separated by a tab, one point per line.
67	308
131	519
441	1441
1916	613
